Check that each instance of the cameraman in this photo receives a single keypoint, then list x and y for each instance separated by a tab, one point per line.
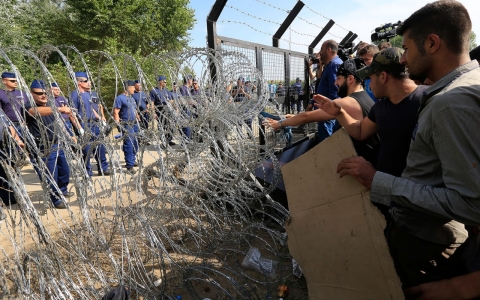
315	70
367	54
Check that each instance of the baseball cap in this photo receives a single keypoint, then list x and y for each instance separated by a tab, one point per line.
386	60
475	53
350	67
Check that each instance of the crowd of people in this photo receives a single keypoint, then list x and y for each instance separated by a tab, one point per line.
32	126
425	110
412	114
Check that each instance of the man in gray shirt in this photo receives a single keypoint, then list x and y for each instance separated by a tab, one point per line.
439	191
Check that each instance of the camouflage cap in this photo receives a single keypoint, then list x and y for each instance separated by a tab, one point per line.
385	60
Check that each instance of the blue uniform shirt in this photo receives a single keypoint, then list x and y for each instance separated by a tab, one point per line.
8	99
174	95
42	128
4	121
297	88
85	103
327	87
184	91
141	100
127	106
61	101
159	96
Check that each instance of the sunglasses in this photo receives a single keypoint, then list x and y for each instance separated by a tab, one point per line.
39	93
14	81
86	80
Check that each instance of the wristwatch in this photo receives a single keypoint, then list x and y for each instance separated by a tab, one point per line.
280	123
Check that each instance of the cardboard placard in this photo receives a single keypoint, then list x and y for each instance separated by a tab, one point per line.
334	232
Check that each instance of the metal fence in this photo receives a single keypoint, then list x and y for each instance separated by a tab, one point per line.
280	67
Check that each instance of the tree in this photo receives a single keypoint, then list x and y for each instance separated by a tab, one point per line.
140	26
473	41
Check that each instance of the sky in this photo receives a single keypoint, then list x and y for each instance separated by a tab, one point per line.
257	20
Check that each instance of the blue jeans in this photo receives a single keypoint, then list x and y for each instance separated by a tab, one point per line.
98	150
325	129
59	171
130	144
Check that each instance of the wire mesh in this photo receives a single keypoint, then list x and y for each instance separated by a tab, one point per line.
181	224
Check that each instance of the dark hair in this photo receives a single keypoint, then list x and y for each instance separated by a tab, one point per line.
448	19
384	45
358	81
332	45
370	49
401	73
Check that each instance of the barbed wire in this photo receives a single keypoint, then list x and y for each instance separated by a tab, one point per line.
268	21
260	31
180	222
308	22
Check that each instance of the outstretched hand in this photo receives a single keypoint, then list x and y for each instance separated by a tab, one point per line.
327	105
359	168
272	123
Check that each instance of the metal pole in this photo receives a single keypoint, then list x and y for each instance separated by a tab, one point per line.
291	16
212	19
320	36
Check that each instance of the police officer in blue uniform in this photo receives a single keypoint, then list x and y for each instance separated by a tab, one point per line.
12	100
160	97
41	124
142	104
125	115
86	102
59	102
6	192
297	90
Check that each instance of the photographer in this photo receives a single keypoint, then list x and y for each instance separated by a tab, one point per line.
326	86
315	70
367	54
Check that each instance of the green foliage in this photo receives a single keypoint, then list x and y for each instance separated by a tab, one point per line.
473	41
141	28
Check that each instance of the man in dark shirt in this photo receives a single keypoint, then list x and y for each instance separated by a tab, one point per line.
354	99
12	100
40	121
438	193
326	87
393	118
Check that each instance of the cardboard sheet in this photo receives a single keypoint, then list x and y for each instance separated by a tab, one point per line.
334	232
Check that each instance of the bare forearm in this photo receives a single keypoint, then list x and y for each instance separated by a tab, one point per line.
40	110
14	133
351	125
116	116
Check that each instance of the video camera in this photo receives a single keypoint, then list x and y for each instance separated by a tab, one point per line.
345	50
314	59
381	33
